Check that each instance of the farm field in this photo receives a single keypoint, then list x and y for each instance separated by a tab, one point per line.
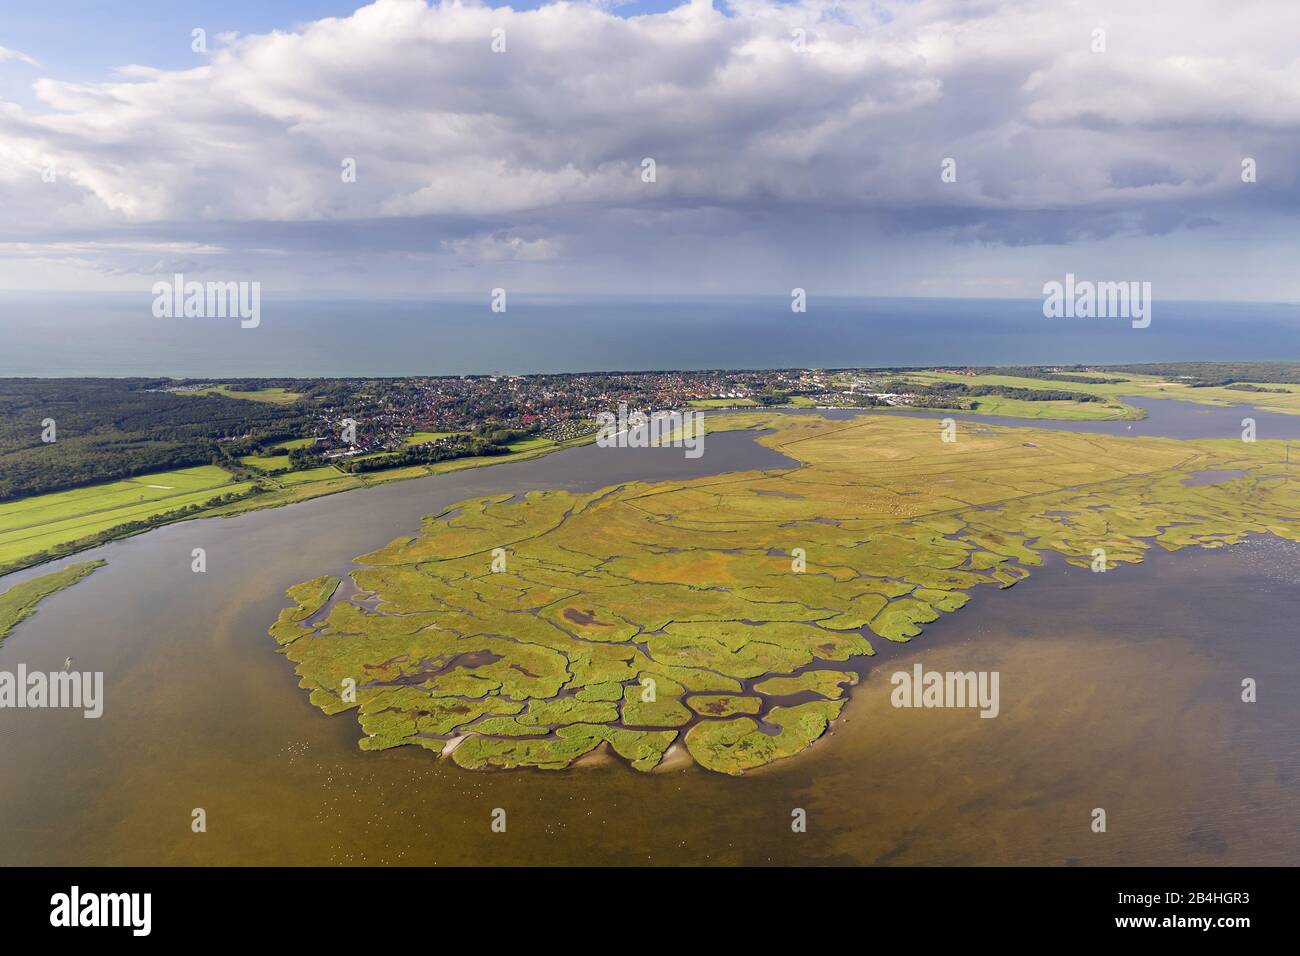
31	525
273	396
529	444
267	463
297	486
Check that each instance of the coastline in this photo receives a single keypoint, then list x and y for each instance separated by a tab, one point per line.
308	491
21	601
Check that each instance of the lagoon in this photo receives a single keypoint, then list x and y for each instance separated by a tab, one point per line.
1118	690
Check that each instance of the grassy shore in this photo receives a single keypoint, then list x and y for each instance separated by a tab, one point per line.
1285	402
19	602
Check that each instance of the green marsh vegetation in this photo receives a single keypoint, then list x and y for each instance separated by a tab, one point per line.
1267	386
19	601
619	616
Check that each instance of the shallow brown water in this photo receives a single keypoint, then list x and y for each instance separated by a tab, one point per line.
1119	691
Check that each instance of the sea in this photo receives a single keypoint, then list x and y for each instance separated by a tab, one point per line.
116	334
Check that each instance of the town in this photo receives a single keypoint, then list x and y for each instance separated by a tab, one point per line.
368	424
437	414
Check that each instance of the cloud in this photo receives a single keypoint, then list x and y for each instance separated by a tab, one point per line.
8	54
827	120
502	247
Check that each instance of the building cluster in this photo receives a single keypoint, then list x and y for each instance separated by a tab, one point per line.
388	411
365	416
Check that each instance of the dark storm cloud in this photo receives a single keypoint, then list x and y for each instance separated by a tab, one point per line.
771	145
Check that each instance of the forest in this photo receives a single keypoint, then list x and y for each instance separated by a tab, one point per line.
1209	374
108	429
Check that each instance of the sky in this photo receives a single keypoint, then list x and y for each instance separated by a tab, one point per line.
871	147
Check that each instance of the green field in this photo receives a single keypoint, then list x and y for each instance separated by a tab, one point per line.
268	463
272	396
323	473
419	438
41	523
529	444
